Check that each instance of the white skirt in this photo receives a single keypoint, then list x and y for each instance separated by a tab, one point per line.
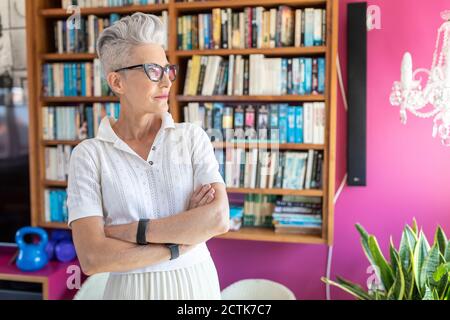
196	282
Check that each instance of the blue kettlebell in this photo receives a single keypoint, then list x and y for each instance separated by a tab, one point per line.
32	256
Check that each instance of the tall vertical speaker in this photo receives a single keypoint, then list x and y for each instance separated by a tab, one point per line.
356	85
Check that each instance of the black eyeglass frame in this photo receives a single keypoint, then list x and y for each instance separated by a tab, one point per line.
165	69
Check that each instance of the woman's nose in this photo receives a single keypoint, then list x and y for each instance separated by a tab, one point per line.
165	81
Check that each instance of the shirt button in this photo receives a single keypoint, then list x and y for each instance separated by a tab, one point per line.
153	148
150	162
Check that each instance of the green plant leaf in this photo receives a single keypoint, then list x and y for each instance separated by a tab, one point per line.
428	294
447	253
351	288
385	271
420	253
364	239
409	283
397	291
441	270
414	227
442	286
406	249
429	267
393	253
435	294
441	240
365	245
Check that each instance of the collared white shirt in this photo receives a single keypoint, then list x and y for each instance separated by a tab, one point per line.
108	179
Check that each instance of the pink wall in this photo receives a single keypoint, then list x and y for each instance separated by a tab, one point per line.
407	169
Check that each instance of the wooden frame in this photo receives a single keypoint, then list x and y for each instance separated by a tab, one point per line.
28	278
41	12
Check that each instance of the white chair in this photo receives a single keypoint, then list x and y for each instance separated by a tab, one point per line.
93	288
257	289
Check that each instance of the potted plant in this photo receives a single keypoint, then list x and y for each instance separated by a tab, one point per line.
416	271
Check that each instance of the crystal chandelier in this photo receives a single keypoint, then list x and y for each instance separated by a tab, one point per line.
433	100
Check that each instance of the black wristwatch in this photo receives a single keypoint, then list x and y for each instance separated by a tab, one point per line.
141	234
174	250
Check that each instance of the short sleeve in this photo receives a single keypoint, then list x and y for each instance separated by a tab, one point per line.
205	164
83	190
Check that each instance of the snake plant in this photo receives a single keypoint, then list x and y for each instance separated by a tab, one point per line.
416	270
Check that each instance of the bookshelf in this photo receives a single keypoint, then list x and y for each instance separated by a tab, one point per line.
40	17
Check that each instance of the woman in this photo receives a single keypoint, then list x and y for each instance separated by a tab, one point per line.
134	182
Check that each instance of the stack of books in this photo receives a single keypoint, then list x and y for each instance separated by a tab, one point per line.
82	38
252	27
299	215
277	123
75	122
258	210
55	205
236	214
239	75
57	162
109	3
74	79
257	168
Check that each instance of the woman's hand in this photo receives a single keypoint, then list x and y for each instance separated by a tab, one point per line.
203	195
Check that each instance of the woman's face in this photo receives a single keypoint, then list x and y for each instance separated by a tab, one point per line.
144	95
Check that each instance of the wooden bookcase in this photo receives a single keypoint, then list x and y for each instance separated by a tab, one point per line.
41	13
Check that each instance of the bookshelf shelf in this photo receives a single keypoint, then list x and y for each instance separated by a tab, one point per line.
68	56
196	6
266	145
57	225
290	192
55	183
286	98
288	51
55	57
41	15
267	234
62	13
56	142
75	99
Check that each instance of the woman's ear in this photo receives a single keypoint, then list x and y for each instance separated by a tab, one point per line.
116	83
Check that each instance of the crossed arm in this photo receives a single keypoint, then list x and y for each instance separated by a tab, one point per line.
113	248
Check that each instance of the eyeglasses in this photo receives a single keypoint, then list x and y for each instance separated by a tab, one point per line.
155	72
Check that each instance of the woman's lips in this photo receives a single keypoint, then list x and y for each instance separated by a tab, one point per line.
162	97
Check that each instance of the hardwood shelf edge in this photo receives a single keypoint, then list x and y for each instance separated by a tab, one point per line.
61	12
247	51
295	192
79	99
250	98
268	234
56	142
192	6
267	145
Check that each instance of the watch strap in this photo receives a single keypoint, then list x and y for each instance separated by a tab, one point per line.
141	236
174	250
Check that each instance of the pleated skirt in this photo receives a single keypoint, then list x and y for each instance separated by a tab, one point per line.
196	282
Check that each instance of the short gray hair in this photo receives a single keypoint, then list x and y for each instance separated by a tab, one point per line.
115	42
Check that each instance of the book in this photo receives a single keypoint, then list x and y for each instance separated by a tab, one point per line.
251	27
268	169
